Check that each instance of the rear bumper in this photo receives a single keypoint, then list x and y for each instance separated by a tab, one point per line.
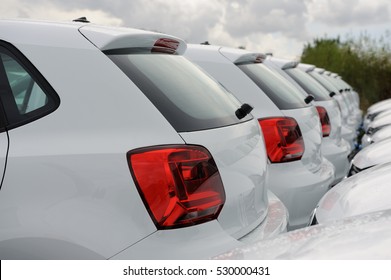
275	223
350	136
299	189
338	156
205	240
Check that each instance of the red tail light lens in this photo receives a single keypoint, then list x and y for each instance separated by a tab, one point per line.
324	121
180	184
283	139
165	45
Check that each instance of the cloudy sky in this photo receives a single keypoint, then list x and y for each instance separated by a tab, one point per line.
278	26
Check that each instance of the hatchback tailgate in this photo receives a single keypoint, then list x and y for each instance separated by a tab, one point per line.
239	153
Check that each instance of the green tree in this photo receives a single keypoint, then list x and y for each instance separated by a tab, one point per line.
365	63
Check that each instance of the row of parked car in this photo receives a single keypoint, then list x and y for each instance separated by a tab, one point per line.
118	143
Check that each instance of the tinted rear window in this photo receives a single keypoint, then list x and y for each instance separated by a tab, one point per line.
279	90
309	84
329	87
187	97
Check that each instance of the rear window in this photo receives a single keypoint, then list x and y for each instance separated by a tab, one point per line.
309	84
279	90
187	97
330	87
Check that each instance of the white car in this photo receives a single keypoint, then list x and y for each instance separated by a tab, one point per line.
380	122
374	110
348	126
334	147
349	95
381	134
364	237
375	154
355	97
368	191
298	173
115	146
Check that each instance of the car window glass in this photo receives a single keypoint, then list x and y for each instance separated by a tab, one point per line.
187	97
309	84
27	93
279	90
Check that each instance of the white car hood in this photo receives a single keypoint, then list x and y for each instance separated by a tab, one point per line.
374	154
379	106
364	237
383	133
365	192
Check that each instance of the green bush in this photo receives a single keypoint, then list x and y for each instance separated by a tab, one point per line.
364	63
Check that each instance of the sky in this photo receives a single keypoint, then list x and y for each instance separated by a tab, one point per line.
281	27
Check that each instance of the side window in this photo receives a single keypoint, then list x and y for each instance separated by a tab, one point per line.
25	95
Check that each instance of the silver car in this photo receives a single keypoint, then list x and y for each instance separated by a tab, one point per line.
366	192
348	129
334	147
364	237
372	155
298	173
114	146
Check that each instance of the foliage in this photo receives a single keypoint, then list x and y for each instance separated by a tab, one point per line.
364	63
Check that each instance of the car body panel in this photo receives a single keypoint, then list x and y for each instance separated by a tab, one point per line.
373	127
296	195
374	110
365	192
242	162
3	152
374	154
383	133
365	237
380	121
205	240
110	38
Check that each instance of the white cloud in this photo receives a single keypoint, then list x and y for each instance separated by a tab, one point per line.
20	9
281	26
350	12
280	46
270	16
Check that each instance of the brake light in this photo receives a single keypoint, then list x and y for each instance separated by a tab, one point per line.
165	45
324	121
283	139
179	184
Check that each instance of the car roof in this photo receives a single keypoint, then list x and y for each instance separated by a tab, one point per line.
33	32
306	67
238	56
284	63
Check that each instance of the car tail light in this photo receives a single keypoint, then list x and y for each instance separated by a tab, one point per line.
180	184
324	121
283	139
165	45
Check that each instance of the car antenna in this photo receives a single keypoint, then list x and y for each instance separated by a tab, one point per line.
81	19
